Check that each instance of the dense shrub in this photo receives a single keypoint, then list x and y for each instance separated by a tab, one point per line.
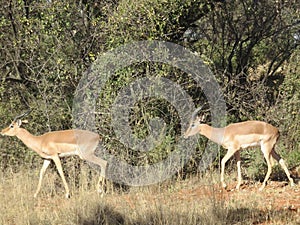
46	46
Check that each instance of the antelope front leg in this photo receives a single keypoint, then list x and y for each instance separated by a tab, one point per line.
61	173
229	153
267	156
223	162
101	181
238	163
100	185
42	172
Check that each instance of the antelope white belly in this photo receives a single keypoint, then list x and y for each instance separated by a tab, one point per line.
253	144
64	154
68	150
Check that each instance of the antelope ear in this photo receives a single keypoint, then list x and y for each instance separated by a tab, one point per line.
19	123
202	118
24	121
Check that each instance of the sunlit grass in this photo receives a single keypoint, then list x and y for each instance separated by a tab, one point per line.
196	200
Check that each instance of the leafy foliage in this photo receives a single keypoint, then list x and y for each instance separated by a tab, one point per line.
46	46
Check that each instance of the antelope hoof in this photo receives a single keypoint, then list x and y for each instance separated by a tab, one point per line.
224	186
100	191
262	187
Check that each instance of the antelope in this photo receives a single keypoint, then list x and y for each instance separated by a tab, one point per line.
56	144
238	136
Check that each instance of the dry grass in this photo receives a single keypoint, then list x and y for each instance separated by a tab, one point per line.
193	201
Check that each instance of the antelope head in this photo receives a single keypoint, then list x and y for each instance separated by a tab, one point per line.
195	124
12	129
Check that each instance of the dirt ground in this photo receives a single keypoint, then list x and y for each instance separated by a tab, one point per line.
276	195
277	202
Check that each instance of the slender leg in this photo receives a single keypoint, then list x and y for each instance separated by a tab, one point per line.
61	173
267	174
100	185
238	163
102	163
42	172
228	155
283	166
267	154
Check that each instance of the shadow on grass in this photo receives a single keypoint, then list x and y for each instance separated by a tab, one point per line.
245	216
102	215
164	216
256	216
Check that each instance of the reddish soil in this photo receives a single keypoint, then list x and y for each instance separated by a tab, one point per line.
275	196
278	203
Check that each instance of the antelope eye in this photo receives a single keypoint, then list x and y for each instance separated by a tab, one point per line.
11	126
193	125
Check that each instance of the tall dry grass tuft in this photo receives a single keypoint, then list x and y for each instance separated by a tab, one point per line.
190	202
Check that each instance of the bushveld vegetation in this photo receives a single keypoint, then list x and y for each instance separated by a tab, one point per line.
252	48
